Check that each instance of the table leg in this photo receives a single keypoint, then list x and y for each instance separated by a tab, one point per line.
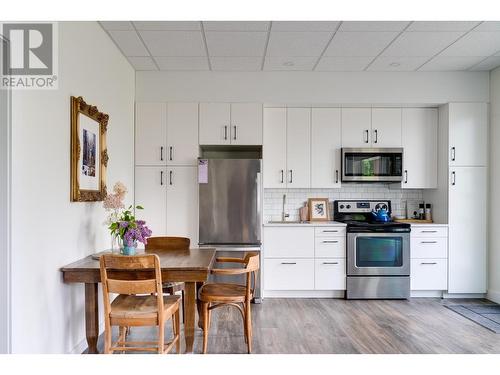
91	317
190	304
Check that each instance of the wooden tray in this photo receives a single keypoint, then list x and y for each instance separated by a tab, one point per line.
413	221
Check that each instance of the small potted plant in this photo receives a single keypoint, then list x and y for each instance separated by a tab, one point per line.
122	222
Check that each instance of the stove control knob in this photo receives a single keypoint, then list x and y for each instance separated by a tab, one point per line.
341	206
348	206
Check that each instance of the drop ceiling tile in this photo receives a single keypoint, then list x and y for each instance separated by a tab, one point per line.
480	43
373	25
290	63
168	25
174	43
397	64
421	43
489	26
442	25
247	64
450	63
297	43
359	43
237	43
182	63
487	64
305	25
117	25
142	63
343	64
236	25
129	42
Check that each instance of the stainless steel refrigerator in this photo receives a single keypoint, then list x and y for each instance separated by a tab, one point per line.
230	209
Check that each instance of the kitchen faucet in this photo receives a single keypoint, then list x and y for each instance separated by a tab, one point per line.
283	214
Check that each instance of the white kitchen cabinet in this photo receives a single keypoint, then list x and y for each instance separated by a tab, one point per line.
326	144
468	134
274	149
150	134
150	193
428	274
289	274
356	127
215	123
429	247
246	124
182	134
298	148
386	127
330	274
296	242
182	202
330	231
467	229
419	135
329	247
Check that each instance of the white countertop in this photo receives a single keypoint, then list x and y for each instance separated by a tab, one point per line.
307	224
428	225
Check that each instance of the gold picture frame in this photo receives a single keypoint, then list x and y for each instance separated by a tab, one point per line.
89	154
318	209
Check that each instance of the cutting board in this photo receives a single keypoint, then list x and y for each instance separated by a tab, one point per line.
413	221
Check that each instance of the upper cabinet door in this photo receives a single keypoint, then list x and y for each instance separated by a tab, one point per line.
298	148
150	193
356	127
215	123
326	143
274	148
150	134
182	133
468	127
246	124
386	127
420	134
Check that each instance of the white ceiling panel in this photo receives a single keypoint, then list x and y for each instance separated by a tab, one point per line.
373	25
421	43
117	25
142	63
343	64
297	43
482	43
247	64
289	63
305	25
359	43
489	26
396	64
174	43
168	25
487	64
182	63
442	25
450	63
129	42
237	43
236	25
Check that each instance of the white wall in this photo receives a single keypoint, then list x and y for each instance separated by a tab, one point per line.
494	197
416	88
48	231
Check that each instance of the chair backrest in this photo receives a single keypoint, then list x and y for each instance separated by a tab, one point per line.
252	266
168	243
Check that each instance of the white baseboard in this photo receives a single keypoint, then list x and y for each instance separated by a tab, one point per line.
426	294
304	293
493	295
82	345
464	295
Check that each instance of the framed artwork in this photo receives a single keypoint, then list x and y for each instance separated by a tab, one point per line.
89	155
318	209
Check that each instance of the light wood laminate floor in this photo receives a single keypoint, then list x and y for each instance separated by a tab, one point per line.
296	326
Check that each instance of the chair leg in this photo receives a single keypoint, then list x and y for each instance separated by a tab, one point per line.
107	338
204	308
177	332
183	307
248	324
161	337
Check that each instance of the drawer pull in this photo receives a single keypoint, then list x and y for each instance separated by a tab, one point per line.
428	263
330	231
330	241
428	241
428	231
330	262
288	263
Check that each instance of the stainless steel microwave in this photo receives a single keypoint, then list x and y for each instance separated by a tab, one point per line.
372	164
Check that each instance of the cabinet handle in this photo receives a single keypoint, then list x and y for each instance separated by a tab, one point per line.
336	176
282	176
291	176
330	241
428	231
453	154
161	178
225	132
453	178
288	263
161	153
234	132
330	262
428	263
171	152
406	176
367	135
428	241
376	135
329	231
170	177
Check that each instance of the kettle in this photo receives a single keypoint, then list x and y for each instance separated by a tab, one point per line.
381	215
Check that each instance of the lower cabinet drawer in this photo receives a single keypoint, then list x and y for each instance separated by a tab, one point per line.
330	274
329	247
429	247
429	274
289	274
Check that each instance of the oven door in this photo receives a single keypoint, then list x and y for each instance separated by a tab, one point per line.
372	164
380	254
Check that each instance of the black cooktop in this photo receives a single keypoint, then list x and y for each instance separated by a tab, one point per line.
365	226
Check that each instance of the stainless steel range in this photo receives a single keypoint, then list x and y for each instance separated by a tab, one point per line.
378	253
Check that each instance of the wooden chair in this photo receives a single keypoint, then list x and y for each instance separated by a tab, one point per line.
213	295
150	308
166	244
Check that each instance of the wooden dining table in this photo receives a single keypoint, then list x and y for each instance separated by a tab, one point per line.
192	267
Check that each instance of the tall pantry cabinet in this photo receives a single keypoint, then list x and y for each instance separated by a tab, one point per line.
166	152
